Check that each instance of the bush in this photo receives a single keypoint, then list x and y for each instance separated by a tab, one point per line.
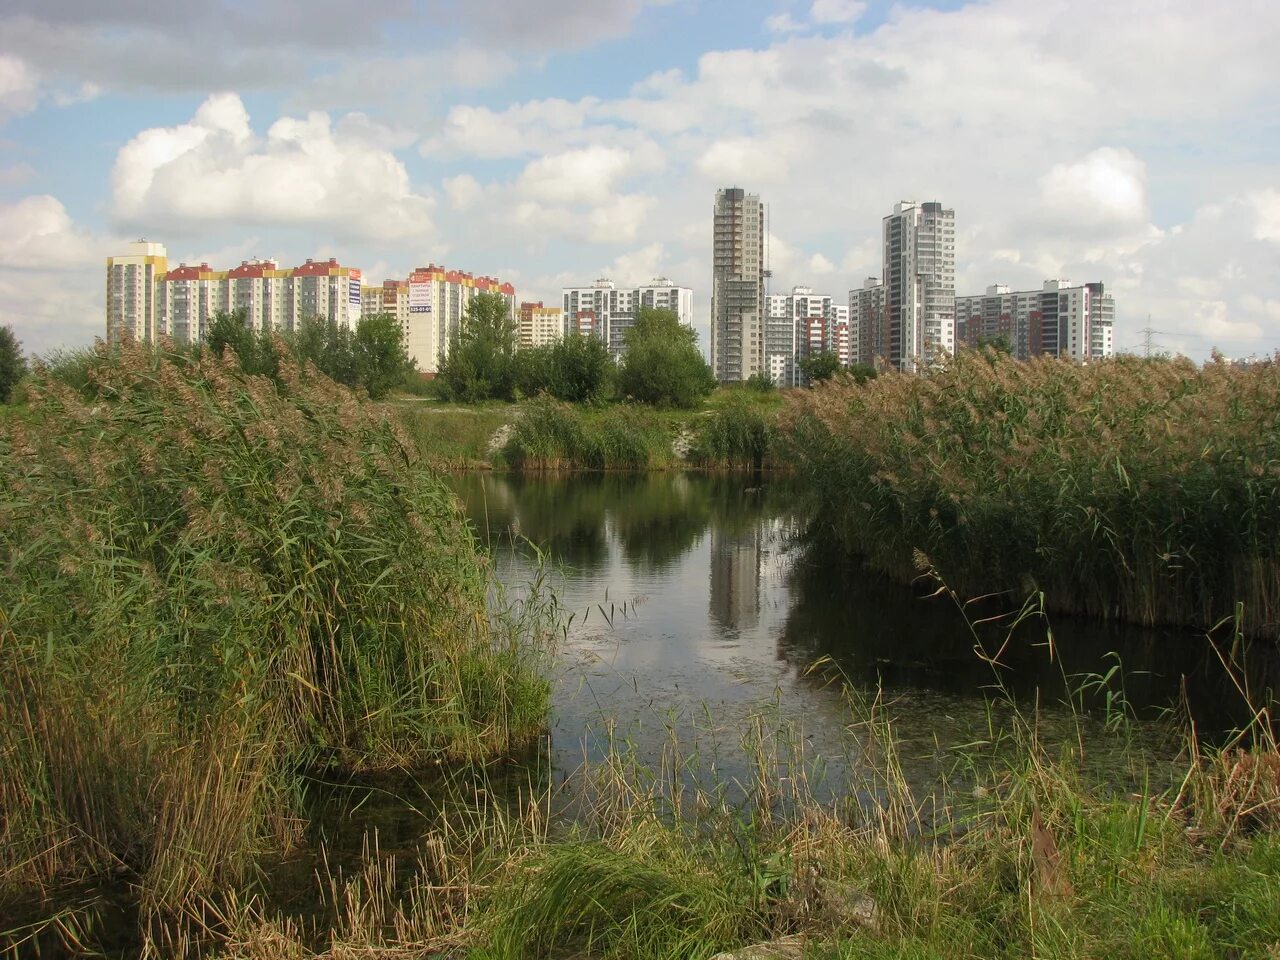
662	365
739	433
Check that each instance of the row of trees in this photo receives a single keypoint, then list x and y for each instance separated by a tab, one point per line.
370	356
661	364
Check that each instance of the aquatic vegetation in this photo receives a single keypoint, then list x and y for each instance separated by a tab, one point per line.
1142	489
211	584
739	432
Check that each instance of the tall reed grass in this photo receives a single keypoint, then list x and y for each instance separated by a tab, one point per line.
552	436
212	584
1140	489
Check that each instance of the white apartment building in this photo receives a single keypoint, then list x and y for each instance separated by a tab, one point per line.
1060	319
737	286
133	310
920	281
608	311
430	305
797	324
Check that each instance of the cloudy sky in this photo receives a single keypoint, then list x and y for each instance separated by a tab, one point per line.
1135	142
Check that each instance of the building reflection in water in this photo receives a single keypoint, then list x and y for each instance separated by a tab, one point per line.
735	577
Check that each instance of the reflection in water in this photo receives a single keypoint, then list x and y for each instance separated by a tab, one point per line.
696	609
735	578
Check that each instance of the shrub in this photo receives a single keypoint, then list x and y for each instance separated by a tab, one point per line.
662	365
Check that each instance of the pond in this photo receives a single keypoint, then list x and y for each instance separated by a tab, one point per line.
698	608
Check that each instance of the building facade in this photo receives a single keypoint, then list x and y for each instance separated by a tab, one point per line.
539	325
133	308
608	311
868	332
798	324
146	300
430	305
920	281
738	286
1060	319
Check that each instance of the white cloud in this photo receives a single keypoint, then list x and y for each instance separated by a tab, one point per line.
1108	187
820	265
37	233
783	23
214	169
463	191
575	176
18	88
1266	205
744	160
836	11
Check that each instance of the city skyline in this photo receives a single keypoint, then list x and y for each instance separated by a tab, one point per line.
550	144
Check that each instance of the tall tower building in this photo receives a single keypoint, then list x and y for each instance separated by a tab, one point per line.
132	306
737	286
920	283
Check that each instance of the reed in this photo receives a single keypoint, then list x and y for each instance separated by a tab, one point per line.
554	436
212	583
1140	489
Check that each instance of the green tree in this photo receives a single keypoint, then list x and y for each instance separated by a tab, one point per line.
662	365
862	372
481	360
255	351
13	365
380	359
819	366
581	369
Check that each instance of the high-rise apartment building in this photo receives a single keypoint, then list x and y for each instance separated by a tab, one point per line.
1059	320
798	324
146	300
538	325
920	283
868	332
132	304
609	311
737	286
430	305
271	298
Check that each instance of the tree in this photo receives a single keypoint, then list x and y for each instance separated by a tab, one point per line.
819	366
862	372
662	365
13	365
480	364
255	351
380	359
580	369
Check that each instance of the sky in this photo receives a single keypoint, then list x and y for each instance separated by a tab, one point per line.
552	142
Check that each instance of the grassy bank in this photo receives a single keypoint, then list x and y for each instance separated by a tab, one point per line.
734	429
1020	853
1141	489
213	584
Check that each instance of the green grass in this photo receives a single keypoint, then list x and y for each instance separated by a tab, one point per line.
453	437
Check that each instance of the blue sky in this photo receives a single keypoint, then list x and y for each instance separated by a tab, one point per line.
1135	142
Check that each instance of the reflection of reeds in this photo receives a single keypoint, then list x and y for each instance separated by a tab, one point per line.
211	583
1141	489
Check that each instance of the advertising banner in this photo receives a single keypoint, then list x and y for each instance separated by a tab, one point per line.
420	297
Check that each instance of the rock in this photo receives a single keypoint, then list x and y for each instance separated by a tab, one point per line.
784	948
844	903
